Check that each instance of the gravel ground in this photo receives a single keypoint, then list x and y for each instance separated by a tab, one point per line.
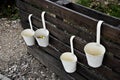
15	62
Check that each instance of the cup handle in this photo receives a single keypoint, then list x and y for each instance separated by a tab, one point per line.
98	31
71	44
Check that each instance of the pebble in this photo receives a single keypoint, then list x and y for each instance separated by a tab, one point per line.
19	64
2	77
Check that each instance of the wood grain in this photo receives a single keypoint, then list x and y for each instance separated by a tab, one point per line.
78	18
62	22
72	29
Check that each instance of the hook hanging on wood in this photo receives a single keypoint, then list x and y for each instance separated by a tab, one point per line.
30	22
71	44
98	31
43	19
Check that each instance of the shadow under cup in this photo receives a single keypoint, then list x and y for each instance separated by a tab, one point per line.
94	54
42	37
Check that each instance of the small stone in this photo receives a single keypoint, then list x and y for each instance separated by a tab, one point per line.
2	77
19	64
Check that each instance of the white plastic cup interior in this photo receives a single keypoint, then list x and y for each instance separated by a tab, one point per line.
42	37
69	61
28	36
94	53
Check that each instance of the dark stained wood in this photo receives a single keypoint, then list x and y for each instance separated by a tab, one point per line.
93	13
62	23
109	59
57	67
78	18
55	32
88	72
63	48
58	64
71	29
53	64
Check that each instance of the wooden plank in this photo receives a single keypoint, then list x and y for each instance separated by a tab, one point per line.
53	51
62	49
58	34
48	60
110	76
93	13
78	18
80	69
102	71
109	59
108	72
72	29
90	75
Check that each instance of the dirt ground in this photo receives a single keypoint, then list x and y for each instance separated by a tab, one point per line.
15	62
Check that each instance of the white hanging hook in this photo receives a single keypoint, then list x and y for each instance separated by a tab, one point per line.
43	19
71	44
30	22
98	31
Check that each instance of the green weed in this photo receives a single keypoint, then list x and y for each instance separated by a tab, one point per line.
110	7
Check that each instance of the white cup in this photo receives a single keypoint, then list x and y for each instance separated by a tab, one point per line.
28	36
69	61
42	37
94	54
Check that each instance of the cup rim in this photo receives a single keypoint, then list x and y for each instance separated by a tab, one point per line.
32	31
94	43
40	30
75	58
